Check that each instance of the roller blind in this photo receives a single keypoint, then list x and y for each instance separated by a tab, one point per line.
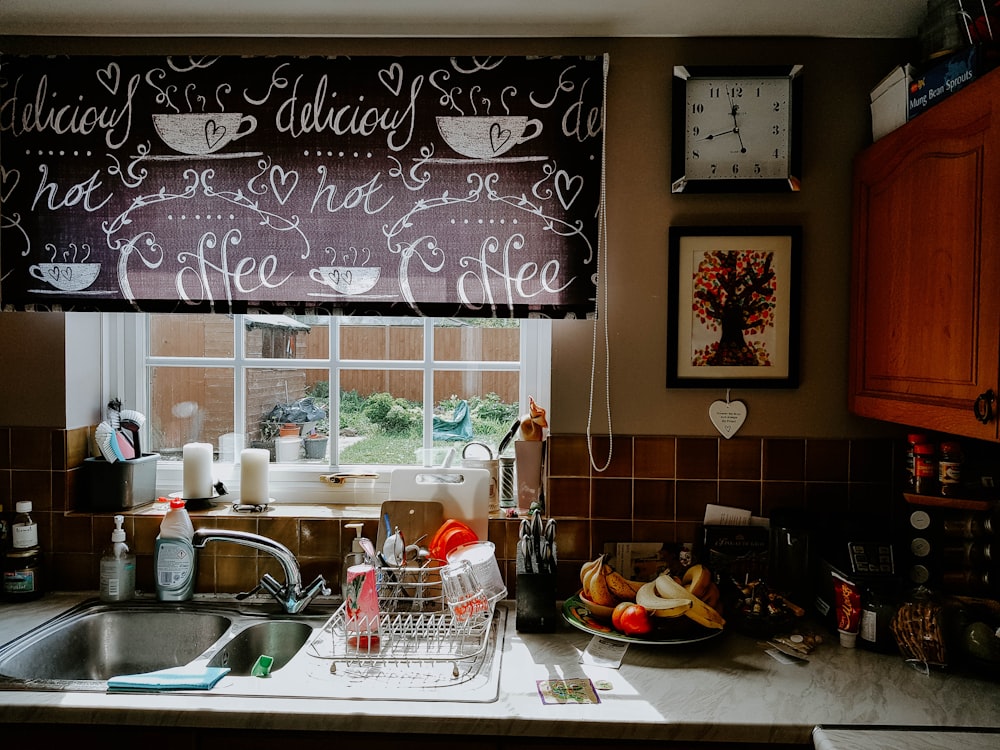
438	186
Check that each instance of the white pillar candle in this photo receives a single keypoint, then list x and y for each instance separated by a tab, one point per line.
197	471
253	476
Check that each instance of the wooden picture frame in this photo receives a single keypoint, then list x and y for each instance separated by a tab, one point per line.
717	340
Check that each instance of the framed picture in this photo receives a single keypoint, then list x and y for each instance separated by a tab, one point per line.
733	318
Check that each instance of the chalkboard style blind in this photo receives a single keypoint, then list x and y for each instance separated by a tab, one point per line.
442	186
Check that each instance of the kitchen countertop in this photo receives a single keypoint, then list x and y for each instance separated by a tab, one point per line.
725	689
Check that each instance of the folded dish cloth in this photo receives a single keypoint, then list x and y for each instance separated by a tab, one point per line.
175	678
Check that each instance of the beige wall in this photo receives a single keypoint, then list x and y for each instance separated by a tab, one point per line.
838	75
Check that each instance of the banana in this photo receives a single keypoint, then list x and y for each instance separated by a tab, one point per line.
647	597
712	596
622	587
700	612
598	591
697	579
587	568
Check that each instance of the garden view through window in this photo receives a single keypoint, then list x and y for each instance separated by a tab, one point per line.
336	390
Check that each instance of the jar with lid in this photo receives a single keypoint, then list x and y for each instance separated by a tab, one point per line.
913	439
969	526
925	470
22	574
950	469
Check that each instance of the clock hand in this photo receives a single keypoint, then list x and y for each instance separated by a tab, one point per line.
716	135
734	109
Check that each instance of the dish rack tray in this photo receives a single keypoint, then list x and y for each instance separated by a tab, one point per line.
416	634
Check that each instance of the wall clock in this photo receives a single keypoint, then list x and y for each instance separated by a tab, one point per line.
736	129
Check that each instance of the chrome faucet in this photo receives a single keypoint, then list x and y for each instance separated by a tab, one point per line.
292	597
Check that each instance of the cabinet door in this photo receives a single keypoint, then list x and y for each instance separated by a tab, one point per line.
925	304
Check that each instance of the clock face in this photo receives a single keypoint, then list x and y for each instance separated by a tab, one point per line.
735	131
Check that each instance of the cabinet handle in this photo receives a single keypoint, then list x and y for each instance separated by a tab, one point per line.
983	406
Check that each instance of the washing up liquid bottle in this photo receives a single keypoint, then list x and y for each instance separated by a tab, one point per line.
174	557
355	557
117	567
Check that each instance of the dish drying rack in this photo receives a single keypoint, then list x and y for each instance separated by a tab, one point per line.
416	635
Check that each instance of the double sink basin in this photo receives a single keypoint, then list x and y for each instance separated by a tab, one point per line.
87	644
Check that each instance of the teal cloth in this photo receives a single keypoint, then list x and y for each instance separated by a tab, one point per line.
175	678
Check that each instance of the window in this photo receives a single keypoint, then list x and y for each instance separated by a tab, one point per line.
399	391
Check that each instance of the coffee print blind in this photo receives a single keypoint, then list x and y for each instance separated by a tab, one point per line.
442	186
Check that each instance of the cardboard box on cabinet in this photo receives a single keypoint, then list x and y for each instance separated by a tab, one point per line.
889	101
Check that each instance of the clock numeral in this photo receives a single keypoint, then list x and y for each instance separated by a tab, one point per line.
756	168
695	130
777	154
714	93
697	108
736	169
736	91
776	130
714	168
695	154
776	106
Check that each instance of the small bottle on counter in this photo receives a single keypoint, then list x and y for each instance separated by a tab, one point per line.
117	567
22	572
24	533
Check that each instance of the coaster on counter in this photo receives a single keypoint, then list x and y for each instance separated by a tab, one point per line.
577	690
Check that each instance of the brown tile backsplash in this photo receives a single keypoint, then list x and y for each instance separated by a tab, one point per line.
655	489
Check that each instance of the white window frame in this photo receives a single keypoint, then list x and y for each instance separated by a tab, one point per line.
125	363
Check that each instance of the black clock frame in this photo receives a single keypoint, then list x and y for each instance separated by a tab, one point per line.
792	183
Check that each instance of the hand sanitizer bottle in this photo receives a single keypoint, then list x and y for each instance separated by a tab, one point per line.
117	567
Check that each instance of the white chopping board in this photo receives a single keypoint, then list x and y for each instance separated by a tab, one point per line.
464	494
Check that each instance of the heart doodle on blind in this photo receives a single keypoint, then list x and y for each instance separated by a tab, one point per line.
498	137
392	78
12	176
567	188
110	77
214	133
284	184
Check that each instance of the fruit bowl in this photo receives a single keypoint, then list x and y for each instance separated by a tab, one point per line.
599	611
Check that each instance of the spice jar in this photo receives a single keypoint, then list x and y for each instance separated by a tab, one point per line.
950	469
925	469
22	575
913	439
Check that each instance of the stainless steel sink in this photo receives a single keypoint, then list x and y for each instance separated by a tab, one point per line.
279	639
80	649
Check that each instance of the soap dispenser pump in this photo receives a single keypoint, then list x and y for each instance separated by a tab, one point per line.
117	567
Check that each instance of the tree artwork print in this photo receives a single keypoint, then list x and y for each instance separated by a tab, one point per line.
733	317
734	295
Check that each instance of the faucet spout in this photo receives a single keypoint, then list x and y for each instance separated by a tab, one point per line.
292	597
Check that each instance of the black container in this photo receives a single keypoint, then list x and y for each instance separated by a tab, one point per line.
121	485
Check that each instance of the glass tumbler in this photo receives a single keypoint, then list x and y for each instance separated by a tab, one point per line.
462	591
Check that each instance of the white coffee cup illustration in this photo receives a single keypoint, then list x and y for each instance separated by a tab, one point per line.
481	137
203	132
68	277
347	279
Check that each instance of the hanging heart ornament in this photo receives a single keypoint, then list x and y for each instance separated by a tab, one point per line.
727	416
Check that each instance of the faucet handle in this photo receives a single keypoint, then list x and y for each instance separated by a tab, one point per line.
317	588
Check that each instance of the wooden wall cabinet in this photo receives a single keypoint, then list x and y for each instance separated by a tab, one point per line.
925	279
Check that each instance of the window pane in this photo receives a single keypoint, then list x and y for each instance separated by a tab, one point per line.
286	337
492	403
381	339
190	335
189	405
381	416
276	397
477	340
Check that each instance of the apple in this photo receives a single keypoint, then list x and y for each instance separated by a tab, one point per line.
632	619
